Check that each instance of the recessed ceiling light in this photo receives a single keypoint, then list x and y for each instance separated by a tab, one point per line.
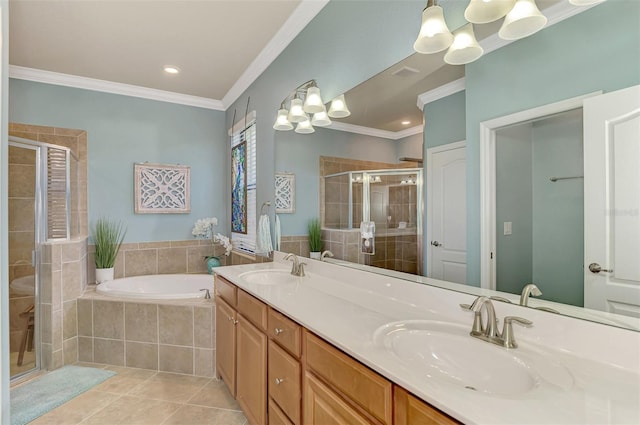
406	122
170	69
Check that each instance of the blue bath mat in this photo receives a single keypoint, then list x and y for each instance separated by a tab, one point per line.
35	398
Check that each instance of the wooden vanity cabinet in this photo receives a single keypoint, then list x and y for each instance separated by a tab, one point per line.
285	369
283	374
226	318
409	410
241	348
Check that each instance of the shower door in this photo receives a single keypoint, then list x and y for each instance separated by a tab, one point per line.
24	209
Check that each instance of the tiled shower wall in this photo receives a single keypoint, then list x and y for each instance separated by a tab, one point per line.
63	278
63	271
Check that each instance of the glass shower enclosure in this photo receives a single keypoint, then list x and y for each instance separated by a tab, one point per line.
39	199
392	199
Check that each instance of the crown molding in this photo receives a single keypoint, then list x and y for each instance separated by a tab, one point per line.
59	79
555	14
440	92
297	21
368	131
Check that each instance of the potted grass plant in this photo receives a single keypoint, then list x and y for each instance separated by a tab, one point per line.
107	237
315	238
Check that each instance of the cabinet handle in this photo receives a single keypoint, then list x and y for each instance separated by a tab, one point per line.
235	322
279	381
278	331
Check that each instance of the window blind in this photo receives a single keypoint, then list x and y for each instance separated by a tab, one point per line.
247	242
56	194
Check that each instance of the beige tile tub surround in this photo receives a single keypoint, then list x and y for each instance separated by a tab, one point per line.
171	336
165	257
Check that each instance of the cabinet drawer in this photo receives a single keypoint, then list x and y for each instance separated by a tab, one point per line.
358	383
226	290
284	381
277	416
323	406
285	332
253	309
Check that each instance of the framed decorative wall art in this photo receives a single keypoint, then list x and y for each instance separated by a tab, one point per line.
162	189
239	188
285	196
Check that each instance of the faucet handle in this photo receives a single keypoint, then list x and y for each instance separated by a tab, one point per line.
301	269
507	330
465	306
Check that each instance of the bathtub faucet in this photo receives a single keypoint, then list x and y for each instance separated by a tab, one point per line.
207	294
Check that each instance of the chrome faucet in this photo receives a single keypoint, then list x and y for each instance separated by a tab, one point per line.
489	332
325	254
529	289
298	268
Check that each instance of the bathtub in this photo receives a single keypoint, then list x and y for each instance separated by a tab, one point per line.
160	286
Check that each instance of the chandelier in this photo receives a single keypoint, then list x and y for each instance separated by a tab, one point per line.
306	109
522	18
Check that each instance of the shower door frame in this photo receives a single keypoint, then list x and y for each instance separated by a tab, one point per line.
35	254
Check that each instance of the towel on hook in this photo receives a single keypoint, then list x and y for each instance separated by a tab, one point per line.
277	235
263	242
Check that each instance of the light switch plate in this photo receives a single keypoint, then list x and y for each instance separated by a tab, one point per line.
507	228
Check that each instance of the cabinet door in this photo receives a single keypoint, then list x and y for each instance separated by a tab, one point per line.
252	371
323	406
226	319
409	410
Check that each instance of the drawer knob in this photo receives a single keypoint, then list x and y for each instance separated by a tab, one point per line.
278	331
278	381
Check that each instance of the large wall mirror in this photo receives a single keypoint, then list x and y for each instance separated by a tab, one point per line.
377	163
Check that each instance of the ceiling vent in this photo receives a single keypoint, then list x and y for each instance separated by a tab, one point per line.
405	71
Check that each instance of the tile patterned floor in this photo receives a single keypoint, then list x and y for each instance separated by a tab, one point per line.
143	397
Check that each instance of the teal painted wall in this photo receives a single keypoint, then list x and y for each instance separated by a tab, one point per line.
347	43
300	155
514	199
123	130
444	123
596	50
558	209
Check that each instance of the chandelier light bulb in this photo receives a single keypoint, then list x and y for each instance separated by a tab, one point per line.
338	108
465	48
304	127
522	21
282	122
296	113
321	119
485	11
434	35
313	102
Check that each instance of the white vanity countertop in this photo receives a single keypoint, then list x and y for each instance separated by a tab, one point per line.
600	379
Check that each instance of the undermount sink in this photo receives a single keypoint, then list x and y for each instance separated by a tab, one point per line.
447	353
270	277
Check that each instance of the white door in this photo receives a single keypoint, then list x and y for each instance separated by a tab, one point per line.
447	213
612	202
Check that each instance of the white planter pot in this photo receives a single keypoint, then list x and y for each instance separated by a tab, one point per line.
315	255
104	275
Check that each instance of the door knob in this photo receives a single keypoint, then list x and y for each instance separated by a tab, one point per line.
436	243
595	268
